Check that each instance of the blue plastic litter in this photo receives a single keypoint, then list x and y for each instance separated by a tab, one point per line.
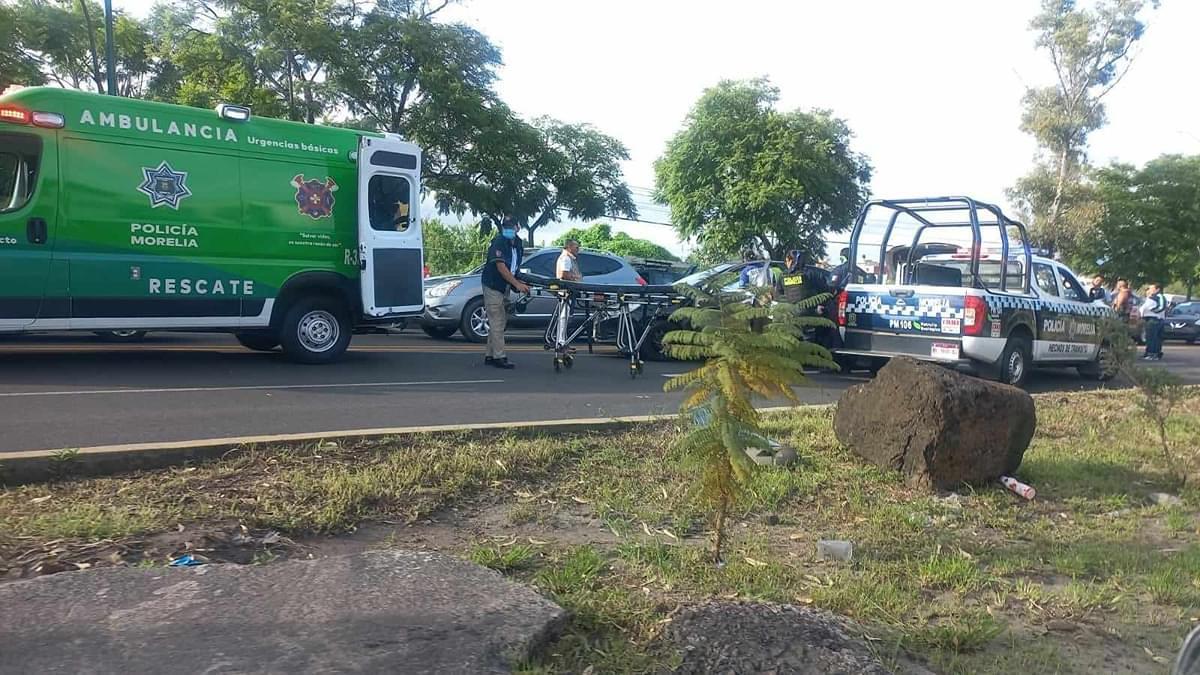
186	561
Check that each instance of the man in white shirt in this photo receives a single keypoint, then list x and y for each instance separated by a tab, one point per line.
1154	310
567	268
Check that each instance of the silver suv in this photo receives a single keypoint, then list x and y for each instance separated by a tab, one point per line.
455	303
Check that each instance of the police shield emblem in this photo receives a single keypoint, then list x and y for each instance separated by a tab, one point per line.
164	186
314	197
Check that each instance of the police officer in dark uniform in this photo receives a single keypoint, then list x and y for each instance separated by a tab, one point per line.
800	282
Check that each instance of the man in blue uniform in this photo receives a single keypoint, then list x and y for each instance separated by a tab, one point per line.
503	260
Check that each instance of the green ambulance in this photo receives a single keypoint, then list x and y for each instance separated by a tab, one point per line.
126	215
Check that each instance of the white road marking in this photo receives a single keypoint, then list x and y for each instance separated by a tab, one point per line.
178	390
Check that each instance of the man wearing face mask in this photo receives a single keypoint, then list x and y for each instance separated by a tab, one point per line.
503	260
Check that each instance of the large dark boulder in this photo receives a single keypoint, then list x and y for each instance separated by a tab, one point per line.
939	427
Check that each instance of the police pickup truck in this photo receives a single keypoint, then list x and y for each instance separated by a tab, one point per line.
999	312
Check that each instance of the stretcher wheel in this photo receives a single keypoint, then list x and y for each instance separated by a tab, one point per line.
569	361
557	364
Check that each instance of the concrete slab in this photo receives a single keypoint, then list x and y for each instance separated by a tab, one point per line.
382	611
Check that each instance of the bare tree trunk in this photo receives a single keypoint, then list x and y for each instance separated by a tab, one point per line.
291	88
91	31
1056	205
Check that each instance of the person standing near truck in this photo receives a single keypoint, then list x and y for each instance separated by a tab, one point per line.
1154	310
503	260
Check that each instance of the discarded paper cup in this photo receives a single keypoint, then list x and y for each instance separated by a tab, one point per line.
835	549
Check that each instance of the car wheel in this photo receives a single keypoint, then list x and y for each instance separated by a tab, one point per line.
474	325
439	332
653	348
1016	361
121	335
259	342
315	330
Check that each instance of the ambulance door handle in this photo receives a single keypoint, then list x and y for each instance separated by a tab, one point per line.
36	231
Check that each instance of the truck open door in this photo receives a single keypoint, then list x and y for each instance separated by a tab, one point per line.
390	255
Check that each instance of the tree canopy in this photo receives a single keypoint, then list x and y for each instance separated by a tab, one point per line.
1090	50
1150	228
600	236
743	174
391	65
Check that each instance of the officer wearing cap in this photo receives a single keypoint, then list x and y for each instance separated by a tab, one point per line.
503	260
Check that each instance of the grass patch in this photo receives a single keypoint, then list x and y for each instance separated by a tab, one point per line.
987	583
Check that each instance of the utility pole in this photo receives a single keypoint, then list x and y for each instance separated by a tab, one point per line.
110	56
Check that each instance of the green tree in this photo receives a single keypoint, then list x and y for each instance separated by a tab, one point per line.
1090	51
452	249
739	364
62	37
600	236
19	64
547	170
742	173
1150	227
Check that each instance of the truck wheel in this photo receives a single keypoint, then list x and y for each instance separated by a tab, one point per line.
259	342
121	335
1101	369
439	332
1016	361
474	324
315	330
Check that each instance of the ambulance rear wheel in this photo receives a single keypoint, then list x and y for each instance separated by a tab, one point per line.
315	330
1016	361
259	342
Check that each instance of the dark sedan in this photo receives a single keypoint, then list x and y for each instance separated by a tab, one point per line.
1183	323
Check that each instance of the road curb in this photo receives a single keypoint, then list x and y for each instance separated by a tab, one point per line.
34	466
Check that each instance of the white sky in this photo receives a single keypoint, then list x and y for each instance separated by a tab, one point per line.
931	88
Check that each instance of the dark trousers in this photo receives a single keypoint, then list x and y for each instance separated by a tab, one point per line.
1154	337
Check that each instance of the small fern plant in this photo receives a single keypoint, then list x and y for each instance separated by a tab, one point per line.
742	359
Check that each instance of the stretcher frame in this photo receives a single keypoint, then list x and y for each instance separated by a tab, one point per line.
602	302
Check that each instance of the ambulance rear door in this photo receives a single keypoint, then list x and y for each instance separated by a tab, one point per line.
390	254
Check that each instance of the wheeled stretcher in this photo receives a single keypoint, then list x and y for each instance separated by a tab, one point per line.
636	310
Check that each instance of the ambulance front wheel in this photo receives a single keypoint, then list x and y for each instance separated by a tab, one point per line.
315	330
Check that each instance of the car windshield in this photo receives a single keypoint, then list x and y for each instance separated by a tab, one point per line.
702	275
1186	308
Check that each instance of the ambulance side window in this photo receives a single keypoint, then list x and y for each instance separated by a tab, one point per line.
18	170
1043	274
388	198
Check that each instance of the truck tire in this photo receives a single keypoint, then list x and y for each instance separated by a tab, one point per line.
439	332
316	329
259	342
121	335
1097	370
474	325
1016	361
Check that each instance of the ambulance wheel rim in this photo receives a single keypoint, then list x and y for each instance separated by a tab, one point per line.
124	333
479	321
318	331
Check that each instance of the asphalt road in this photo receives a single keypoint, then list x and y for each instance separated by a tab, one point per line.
68	390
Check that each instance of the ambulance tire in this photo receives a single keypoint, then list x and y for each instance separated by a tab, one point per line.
259	342
1016	361
315	329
